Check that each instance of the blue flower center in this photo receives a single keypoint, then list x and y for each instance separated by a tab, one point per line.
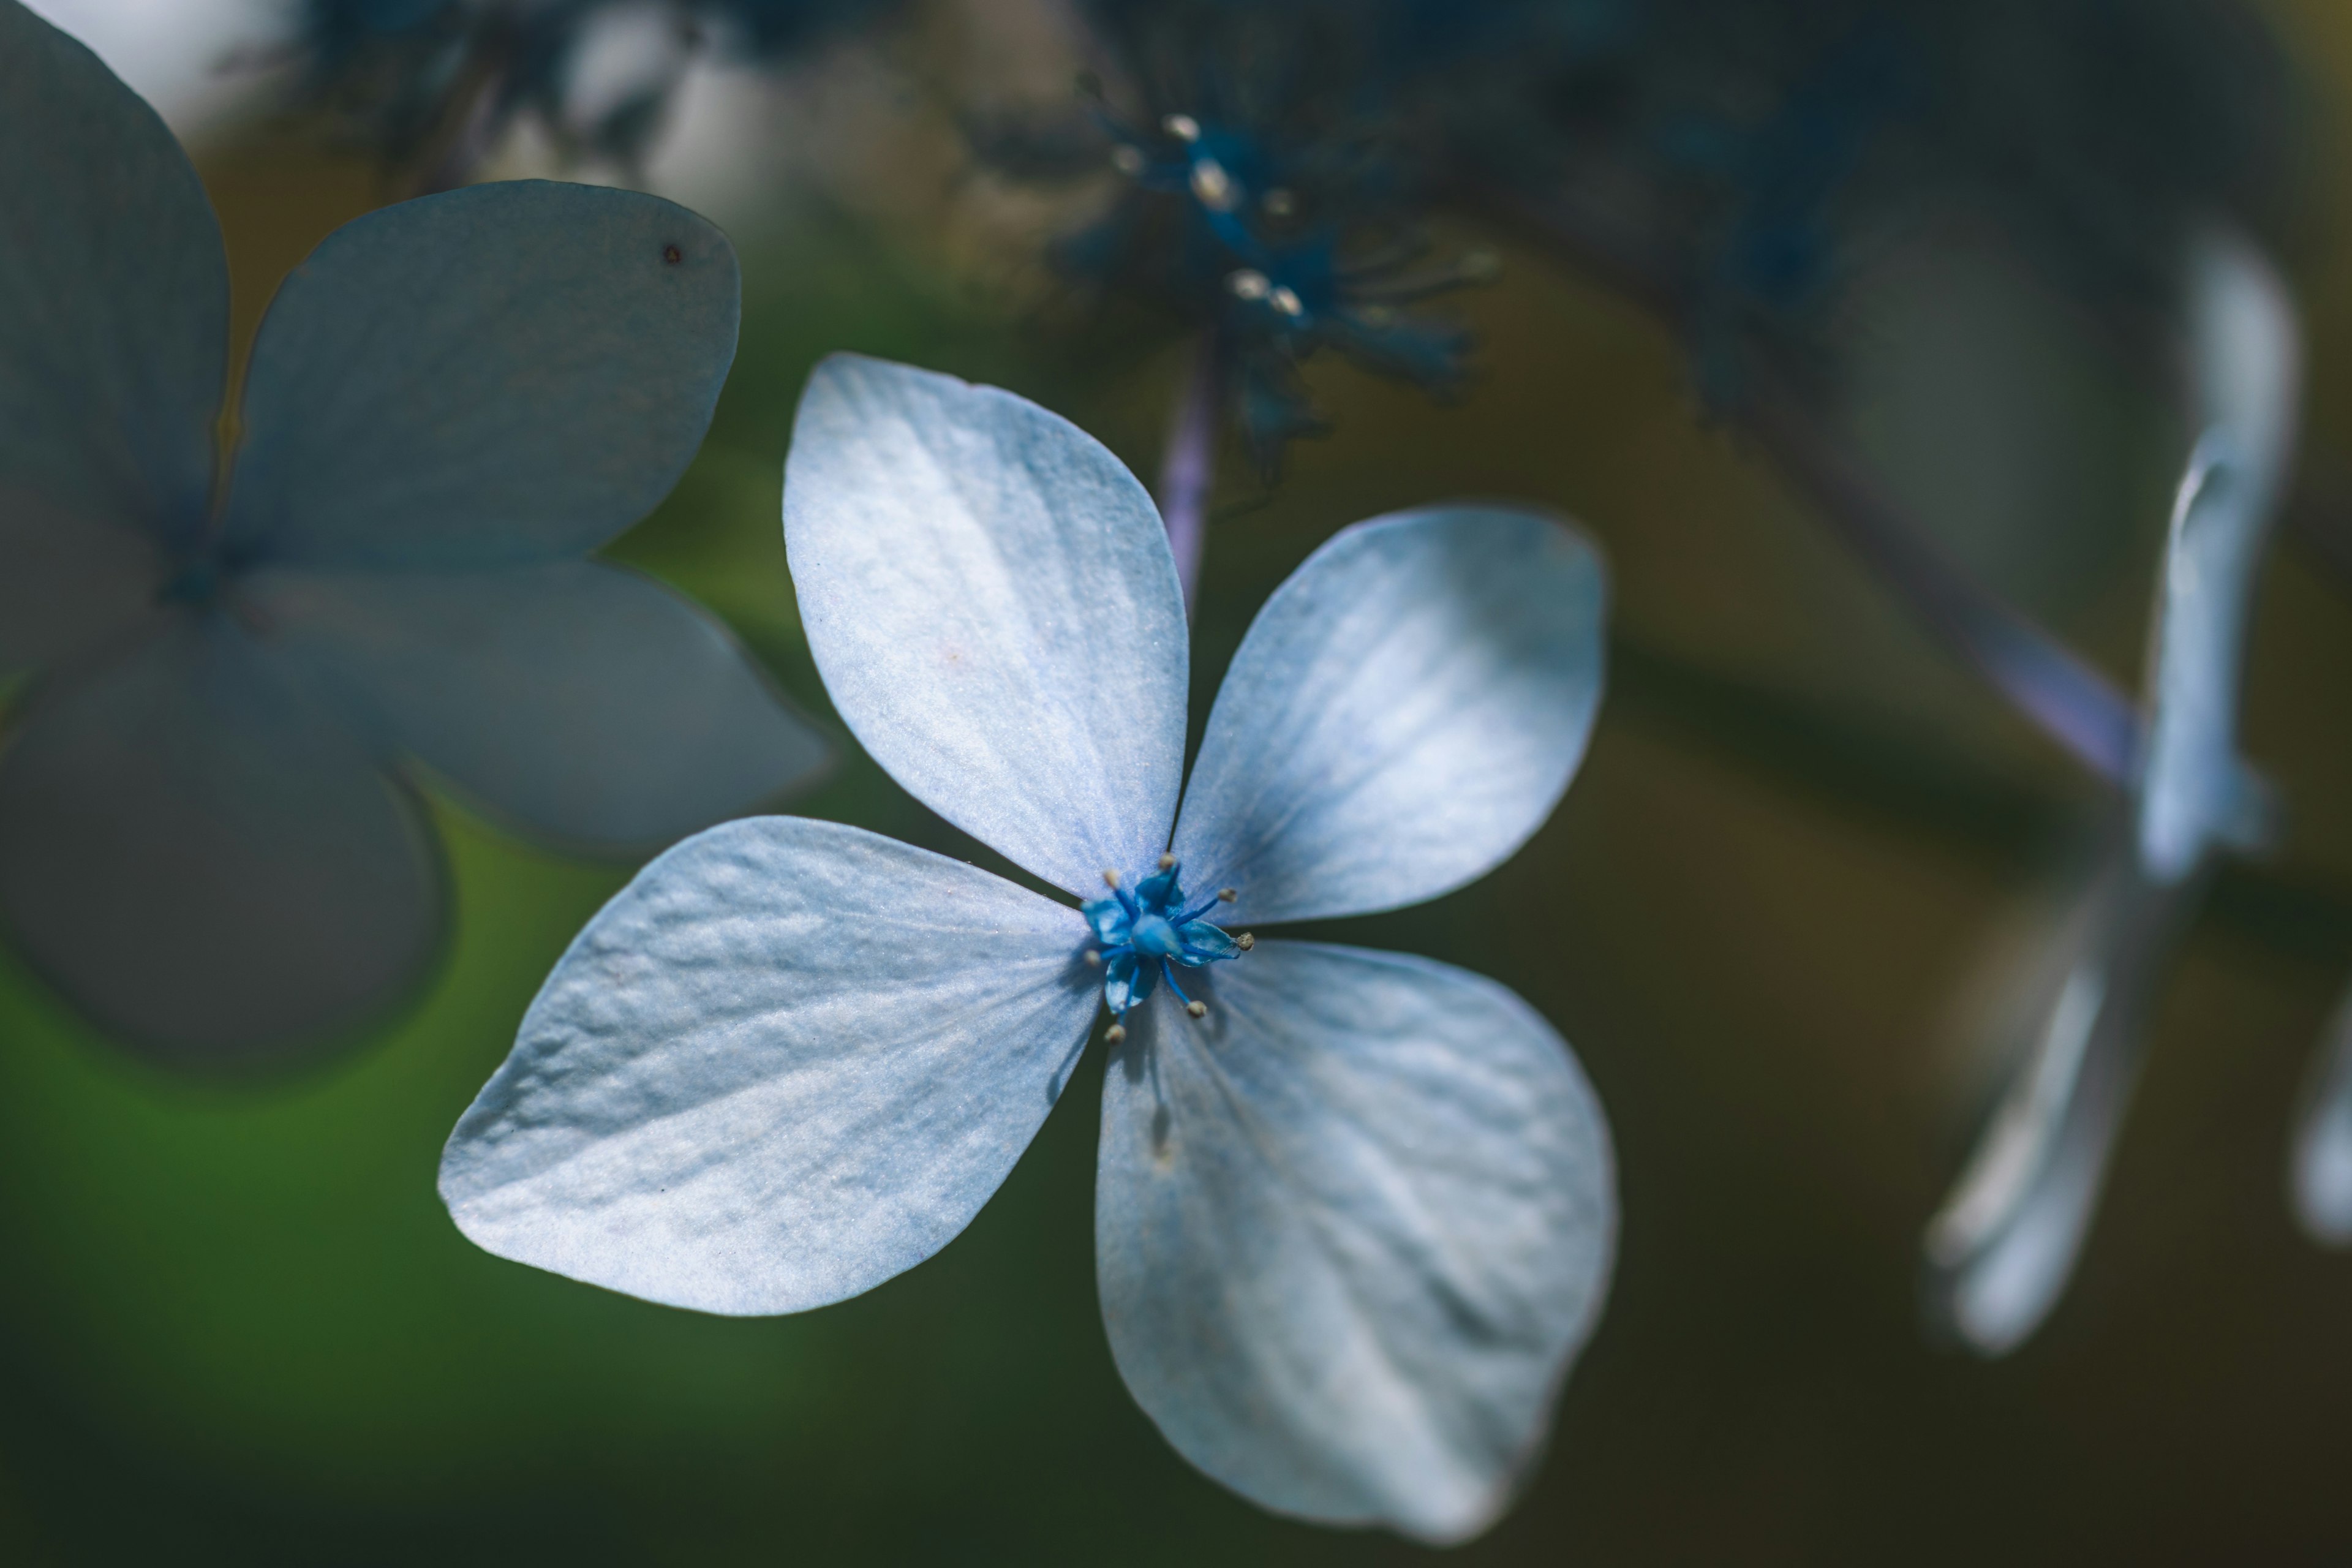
1145	935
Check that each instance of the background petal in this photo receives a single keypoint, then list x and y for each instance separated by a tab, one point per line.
1350	1229
2245	357
1405	710
990	598
513	371
578	698
113	337
2001	1250
69	580
202	862
789	1061
2320	1171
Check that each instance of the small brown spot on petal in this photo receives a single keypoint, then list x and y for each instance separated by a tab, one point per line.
673	255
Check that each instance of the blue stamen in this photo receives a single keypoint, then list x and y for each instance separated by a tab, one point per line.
1139	941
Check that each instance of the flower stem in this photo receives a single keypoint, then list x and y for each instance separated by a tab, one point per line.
1188	469
2042	679
2038	675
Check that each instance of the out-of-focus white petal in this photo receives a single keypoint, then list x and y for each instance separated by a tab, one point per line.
787	1062
989	597
114	344
203	860
2321	1175
2002	1248
1350	1230
578	698
2245	362
510	372
1405	710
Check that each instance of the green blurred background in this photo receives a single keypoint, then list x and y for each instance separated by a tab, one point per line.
235	1324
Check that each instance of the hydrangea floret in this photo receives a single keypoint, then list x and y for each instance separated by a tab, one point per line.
1355	1210
244	655
2002	1248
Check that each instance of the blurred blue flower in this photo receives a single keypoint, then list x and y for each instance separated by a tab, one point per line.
1355	1211
2000	1251
1276	178
208	840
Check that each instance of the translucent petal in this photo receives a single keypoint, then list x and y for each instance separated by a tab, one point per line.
202	862
1350	1230
2002	1248
2321	1177
787	1062
514	372
1205	942
1404	712
991	600
113	337
578	698
2245	355
1158	893
1127	981
1108	919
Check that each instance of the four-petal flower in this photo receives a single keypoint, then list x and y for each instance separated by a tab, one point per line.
1356	1214
206	836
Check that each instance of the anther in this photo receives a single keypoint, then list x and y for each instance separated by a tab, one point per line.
1126	160
1226	895
1182	126
1094	958
1279	203
1110	879
1285	300
1168	862
1245	941
1249	283
1115	1033
1212	187
1197	1009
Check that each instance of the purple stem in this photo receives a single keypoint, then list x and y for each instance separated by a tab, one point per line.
2040	677
1188	469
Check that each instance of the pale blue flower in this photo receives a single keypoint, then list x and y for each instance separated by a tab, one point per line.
209	838
1355	1214
2003	1246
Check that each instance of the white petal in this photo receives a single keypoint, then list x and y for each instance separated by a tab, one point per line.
787	1062
113	347
2004	1245
2246	362
208	863
576	697
990	598
2322	1172
1406	709
1350	1229
513	371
